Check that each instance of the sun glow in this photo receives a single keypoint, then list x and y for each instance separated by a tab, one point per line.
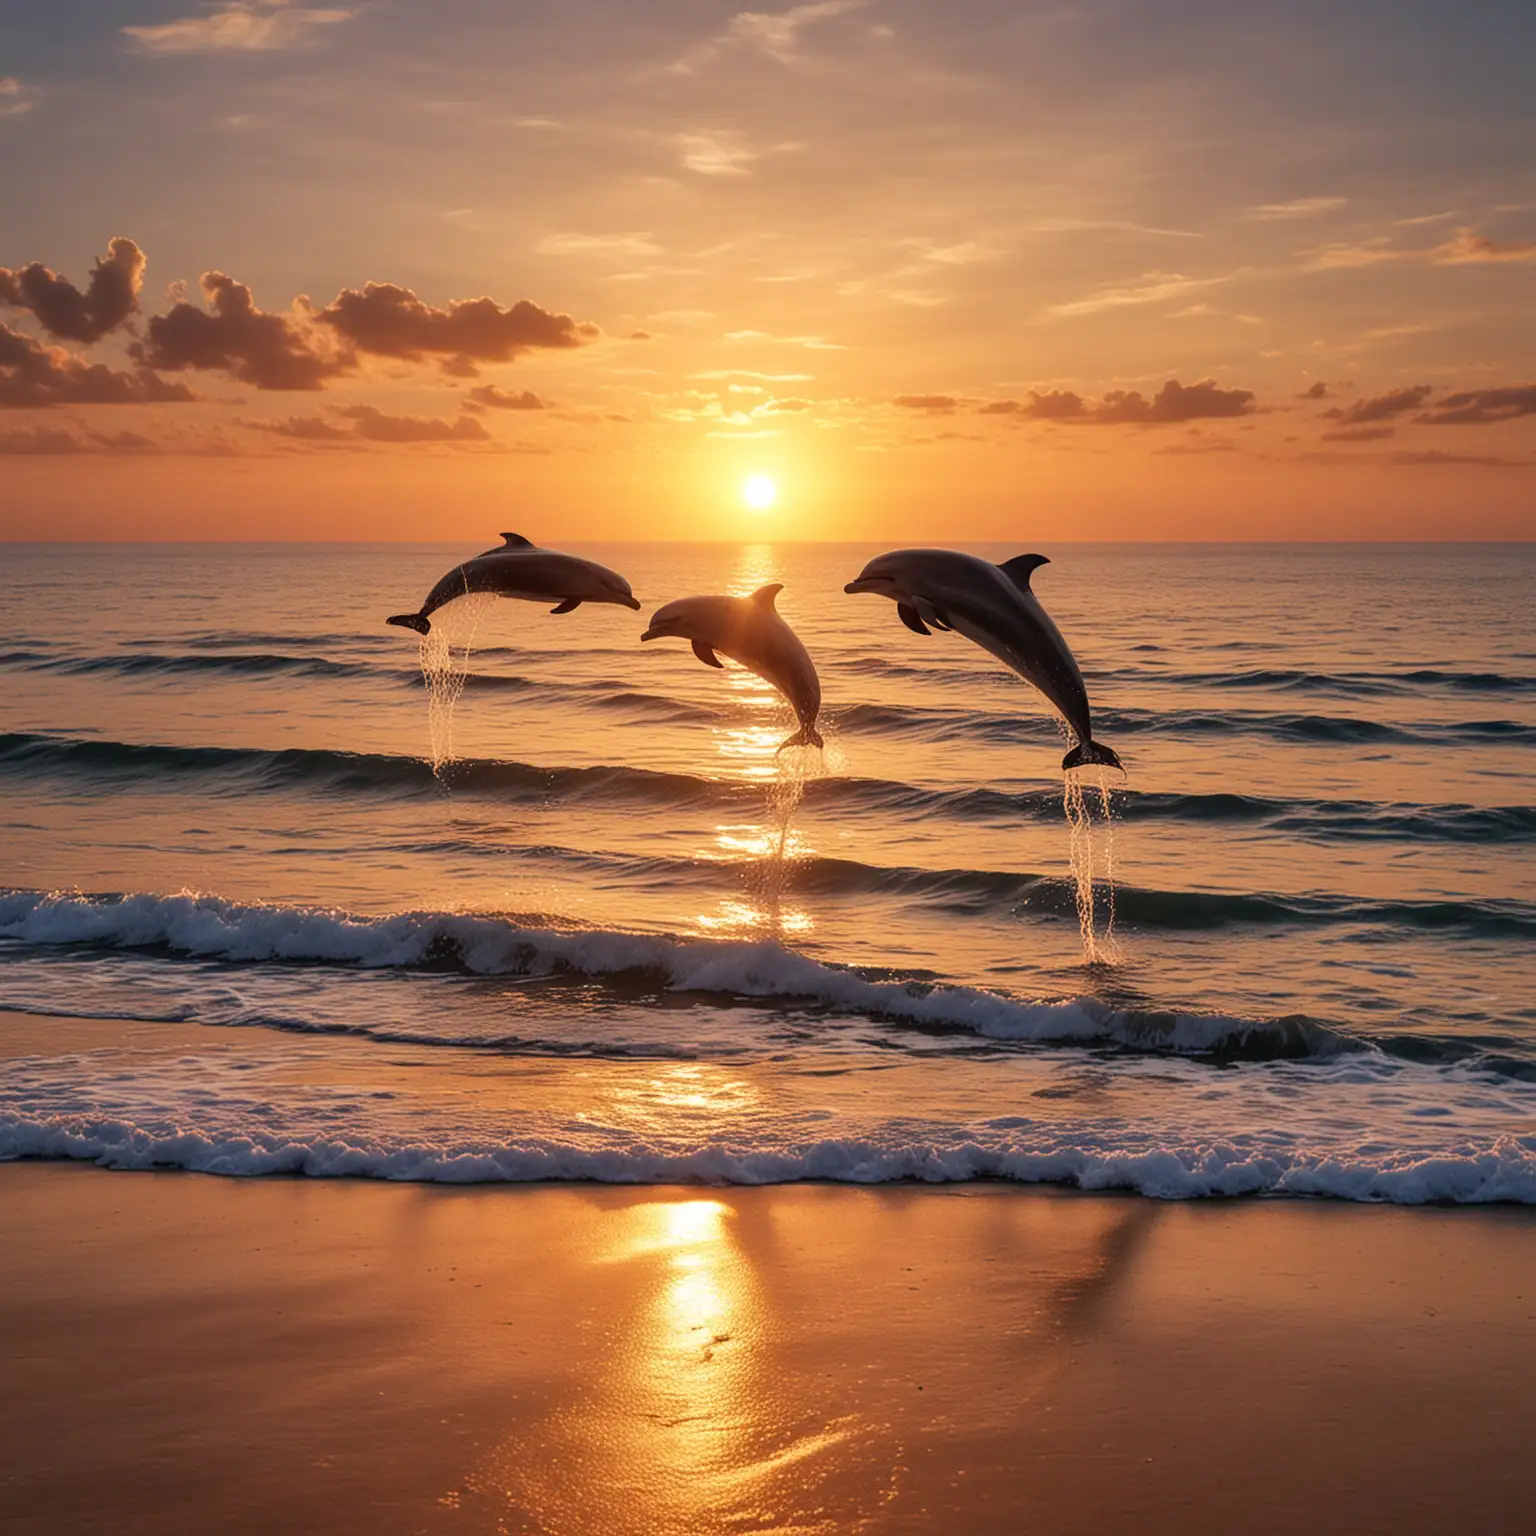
759	493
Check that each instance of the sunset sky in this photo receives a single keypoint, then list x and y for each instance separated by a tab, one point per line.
1145	269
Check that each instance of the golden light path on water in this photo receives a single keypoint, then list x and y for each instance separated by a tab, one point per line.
750	752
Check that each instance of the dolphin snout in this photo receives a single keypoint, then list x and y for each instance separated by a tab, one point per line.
653	633
631	602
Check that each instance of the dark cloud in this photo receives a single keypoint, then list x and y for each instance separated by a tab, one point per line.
1434	456
934	404
488	397
373	425
63	310
1188	448
306	429
52	441
1482	407
1318	391
1396	402
34	376
390	321
267	350
1174	402
1358	434
641	336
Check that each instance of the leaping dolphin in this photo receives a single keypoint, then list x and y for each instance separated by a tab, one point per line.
992	605
750	631
519	568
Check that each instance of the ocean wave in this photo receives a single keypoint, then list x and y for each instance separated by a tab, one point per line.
939	725
208	927
116	764
1500	1170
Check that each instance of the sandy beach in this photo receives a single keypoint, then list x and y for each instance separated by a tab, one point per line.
186	1354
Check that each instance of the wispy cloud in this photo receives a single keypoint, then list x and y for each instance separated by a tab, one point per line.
775	34
15	98
571	244
1396	402
1468	248
716	152
1337	257
242	26
1300	208
1149	288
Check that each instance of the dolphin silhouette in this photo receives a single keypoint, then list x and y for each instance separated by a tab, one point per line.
992	605
519	568
750	631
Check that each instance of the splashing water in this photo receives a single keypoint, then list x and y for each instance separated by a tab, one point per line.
445	653
1098	948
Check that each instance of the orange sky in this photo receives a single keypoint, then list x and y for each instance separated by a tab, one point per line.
1101	271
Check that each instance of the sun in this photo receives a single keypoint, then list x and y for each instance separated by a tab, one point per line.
759	493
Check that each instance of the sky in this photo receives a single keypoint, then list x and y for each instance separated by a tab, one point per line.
1108	270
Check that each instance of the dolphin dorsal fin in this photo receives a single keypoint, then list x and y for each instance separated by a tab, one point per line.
517	541
1021	568
764	596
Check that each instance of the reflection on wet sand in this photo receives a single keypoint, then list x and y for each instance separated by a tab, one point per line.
706	1411
687	1429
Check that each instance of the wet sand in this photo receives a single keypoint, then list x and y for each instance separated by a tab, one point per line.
190	1354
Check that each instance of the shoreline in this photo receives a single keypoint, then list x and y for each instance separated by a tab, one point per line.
188	1353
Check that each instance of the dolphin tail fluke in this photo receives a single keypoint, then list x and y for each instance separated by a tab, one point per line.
808	736
410	621
1089	753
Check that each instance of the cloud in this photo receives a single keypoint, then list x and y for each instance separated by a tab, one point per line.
63	310
1317	391
50	441
34	376
241	26
1434	456
1482	407
15	98
572	244
716	153
1301	208
1172	404
774	33
489	397
1468	248
791	406
934	405
267	350
1149	288
371	425
1396	402
1359	434
390	321
1334	258
308	429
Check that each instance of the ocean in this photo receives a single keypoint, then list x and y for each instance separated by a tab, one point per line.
565	915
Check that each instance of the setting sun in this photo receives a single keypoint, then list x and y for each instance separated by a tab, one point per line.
760	493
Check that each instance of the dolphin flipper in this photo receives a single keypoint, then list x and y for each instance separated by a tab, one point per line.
706	655
567	605
908	616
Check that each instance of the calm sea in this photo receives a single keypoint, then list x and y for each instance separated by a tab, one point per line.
609	936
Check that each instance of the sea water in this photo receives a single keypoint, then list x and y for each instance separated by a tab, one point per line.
568	914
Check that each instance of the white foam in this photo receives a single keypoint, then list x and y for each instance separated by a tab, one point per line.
1501	1171
210	927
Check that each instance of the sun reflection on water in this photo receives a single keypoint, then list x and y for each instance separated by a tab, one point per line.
749	751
